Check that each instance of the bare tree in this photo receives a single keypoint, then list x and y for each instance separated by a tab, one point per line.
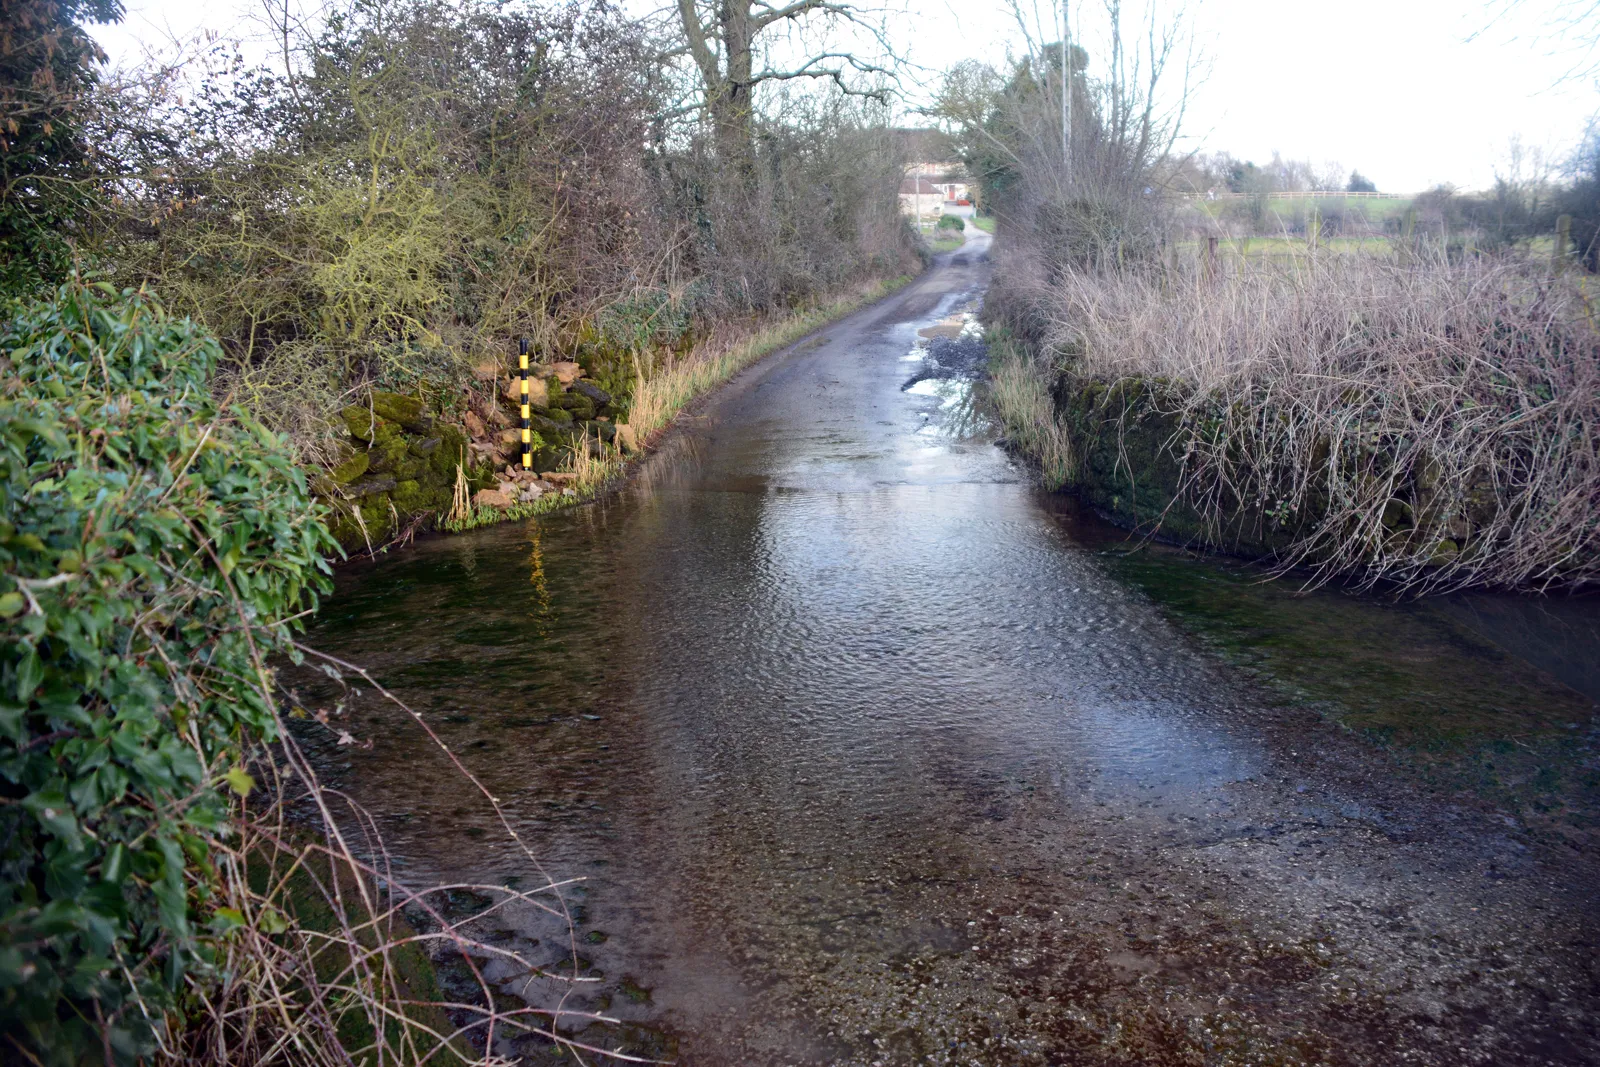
1568	29
731	44
1126	112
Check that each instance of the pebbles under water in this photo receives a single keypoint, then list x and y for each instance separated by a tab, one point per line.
868	753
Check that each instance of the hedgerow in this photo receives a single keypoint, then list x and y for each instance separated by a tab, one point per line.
155	548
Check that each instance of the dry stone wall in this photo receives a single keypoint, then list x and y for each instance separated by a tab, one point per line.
399	463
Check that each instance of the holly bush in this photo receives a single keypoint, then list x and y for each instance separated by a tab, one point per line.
154	547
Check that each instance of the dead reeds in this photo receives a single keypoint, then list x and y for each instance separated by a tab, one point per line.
1414	419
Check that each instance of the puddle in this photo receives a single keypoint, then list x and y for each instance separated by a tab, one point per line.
951	356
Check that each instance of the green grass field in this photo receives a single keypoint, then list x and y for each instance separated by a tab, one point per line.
1283	249
983	222
1374	211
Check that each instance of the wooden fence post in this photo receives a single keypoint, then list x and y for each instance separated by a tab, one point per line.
1558	257
1211	258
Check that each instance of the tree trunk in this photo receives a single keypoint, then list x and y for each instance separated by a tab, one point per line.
732	106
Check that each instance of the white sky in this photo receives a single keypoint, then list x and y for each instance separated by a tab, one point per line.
1396	88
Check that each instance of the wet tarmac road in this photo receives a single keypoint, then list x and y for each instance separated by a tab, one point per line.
865	756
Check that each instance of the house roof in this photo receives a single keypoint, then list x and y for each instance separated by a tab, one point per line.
919	186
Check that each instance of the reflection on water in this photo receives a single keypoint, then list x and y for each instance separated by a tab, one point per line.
863	756
1559	635
1480	690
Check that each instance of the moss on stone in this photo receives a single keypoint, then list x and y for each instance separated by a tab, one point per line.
351	469
359	421
405	410
581	407
387	453
412	498
452	451
375	512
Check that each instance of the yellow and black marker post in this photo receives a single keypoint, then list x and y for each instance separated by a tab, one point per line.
527	413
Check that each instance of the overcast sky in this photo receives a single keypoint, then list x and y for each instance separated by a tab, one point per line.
1411	92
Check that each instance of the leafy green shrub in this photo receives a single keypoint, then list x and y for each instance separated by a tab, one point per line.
152	546
951	222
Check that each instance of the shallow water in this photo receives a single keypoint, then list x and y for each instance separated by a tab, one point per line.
868	752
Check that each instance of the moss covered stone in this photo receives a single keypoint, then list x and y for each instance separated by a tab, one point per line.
451	452
406	411
403	464
375	522
387	453
360	422
351	469
413	497
581	406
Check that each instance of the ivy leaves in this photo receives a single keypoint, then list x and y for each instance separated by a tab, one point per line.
149	544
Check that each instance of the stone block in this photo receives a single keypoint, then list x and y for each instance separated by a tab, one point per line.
404	410
351	468
491	498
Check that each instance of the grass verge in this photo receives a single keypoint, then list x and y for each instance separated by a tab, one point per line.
658	398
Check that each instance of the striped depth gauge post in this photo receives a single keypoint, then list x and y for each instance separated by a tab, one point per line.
527	414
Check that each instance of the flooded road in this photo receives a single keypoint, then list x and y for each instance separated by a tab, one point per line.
869	753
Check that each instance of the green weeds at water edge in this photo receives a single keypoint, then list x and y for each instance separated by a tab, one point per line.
488	516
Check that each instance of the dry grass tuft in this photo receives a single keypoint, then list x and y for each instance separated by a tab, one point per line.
1021	396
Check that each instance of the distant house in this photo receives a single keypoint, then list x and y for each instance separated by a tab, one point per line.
924	196
921	198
